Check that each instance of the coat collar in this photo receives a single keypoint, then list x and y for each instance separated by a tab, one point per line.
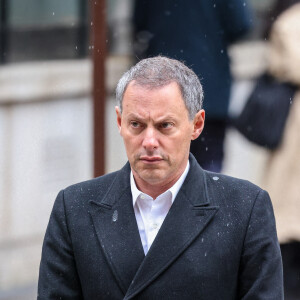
195	179
117	230
196	182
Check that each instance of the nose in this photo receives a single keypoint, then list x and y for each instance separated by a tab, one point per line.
150	141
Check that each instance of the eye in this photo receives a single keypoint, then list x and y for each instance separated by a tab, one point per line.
166	125
135	124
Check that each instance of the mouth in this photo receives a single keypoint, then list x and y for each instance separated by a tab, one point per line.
151	159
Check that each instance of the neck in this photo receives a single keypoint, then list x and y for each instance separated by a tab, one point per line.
155	188
151	189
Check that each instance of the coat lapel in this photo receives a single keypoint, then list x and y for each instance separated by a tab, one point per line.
188	216
116	228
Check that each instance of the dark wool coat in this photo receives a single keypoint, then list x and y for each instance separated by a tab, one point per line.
197	32
218	241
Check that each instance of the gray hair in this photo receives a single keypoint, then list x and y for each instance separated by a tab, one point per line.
159	71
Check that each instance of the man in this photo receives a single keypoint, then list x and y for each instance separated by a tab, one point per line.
161	227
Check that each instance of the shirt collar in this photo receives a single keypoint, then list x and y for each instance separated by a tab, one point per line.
174	189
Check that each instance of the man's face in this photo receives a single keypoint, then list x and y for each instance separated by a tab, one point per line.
157	132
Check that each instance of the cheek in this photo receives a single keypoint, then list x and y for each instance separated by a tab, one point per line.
182	141
131	142
182	145
176	148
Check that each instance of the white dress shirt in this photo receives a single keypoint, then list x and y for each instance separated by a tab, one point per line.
150	213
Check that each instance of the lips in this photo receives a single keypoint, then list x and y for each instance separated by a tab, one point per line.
151	159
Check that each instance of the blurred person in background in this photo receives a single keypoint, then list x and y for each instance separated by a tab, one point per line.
197	32
282	176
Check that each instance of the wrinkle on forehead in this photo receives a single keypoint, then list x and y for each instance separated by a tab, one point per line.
152	85
149	87
150	116
157	103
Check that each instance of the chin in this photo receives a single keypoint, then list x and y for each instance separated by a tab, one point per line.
151	178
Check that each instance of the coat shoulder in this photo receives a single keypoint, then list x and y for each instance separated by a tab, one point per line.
230	190
231	182
95	188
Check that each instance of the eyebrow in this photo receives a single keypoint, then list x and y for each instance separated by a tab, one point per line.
141	119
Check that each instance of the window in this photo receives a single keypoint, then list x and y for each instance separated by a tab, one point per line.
42	30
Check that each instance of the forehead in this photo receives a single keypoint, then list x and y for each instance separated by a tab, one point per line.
155	103
149	95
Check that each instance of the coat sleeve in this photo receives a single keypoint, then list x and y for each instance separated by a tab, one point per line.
58	277
261	275
236	19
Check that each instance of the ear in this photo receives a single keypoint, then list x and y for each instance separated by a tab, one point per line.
119	117
198	123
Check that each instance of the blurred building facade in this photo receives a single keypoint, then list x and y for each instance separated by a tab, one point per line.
46	117
45	126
